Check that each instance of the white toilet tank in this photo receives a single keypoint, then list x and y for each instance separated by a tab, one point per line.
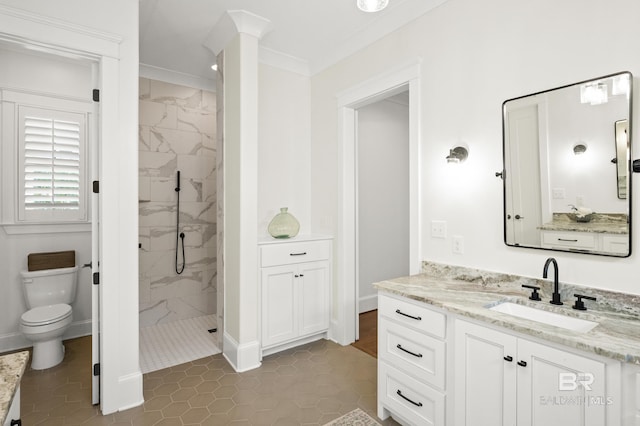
49	286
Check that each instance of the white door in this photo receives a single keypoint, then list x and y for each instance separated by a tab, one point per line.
485	377
559	388
95	263
279	304
524	212
313	287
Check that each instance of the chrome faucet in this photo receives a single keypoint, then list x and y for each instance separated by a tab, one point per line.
555	299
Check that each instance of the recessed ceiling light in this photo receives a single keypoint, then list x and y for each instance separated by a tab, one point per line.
372	5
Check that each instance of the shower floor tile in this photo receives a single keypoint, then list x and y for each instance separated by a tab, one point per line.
177	342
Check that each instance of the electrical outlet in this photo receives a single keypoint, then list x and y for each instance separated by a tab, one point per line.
438	229
458	244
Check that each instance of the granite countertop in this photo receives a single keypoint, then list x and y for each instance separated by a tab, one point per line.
469	293
12	367
612	223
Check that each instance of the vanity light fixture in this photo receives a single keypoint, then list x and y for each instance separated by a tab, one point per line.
579	148
372	5
457	154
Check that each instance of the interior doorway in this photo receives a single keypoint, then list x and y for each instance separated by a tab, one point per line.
405	78
382	143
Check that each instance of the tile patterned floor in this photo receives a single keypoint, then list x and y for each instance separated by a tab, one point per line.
309	385
177	342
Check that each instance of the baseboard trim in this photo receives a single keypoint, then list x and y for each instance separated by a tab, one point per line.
16	340
242	357
368	303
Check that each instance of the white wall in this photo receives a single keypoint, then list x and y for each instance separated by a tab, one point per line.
383	196
105	24
51	75
283	147
476	55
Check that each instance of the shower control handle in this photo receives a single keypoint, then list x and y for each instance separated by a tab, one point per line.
178	181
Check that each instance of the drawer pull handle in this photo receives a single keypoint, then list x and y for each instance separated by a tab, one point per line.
398	311
522	363
567	240
508	358
417	404
298	254
409	352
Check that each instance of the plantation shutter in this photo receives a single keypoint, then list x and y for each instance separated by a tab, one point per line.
52	164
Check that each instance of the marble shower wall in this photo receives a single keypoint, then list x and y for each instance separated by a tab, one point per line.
177	132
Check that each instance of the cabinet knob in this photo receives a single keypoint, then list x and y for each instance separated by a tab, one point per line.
522	363
519	217
508	358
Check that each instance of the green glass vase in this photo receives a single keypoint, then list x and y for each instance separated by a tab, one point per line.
284	225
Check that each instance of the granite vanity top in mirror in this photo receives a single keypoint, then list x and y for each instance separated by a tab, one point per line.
612	223
470	292
12	367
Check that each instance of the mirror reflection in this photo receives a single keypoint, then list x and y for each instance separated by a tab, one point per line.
567	167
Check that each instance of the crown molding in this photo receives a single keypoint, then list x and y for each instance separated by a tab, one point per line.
283	61
234	22
176	77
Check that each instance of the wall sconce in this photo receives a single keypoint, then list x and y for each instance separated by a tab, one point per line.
457	154
579	148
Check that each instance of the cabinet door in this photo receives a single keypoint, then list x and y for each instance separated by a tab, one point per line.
279	305
559	388
485	376
313	286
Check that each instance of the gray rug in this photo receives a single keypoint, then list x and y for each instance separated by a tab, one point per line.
356	417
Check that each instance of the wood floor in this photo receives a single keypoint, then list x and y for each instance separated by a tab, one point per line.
368	333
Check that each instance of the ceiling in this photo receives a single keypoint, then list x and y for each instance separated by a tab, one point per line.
313	33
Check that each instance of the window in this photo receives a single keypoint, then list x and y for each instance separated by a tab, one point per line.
51	153
44	159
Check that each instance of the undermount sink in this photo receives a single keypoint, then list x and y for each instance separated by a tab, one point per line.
545	317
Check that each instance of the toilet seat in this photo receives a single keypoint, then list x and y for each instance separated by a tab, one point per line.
45	315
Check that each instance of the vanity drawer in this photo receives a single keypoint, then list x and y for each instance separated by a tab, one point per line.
292	252
413	315
569	240
417	403
423	357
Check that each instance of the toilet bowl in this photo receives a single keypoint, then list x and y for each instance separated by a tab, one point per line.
44	327
49	294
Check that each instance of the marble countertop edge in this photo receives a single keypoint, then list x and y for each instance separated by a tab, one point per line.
12	367
617	335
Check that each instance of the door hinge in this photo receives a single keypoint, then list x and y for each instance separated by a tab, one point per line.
96	278
96	369
96	186
96	95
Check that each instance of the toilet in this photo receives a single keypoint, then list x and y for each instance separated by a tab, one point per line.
48	294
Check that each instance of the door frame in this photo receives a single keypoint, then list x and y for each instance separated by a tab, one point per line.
345	318
66	39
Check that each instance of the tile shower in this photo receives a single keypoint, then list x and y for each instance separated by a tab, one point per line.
177	132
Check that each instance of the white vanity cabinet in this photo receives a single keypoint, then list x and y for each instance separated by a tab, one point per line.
295	286
592	241
411	361
501	379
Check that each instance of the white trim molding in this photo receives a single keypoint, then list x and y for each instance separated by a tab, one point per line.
176	77
382	86
242	357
